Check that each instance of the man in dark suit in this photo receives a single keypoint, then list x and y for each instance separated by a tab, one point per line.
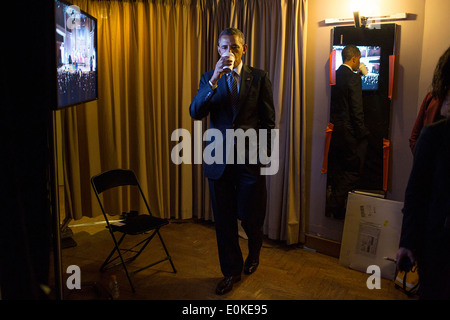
241	99
349	138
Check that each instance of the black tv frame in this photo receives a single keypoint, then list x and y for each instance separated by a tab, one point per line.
63	106
381	35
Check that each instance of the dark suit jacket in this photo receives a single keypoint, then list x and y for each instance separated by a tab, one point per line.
346	103
256	109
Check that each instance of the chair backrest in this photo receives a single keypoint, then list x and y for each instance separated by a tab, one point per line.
114	178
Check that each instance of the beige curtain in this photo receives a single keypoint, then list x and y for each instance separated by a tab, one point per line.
151	55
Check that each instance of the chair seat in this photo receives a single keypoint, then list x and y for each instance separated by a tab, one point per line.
139	224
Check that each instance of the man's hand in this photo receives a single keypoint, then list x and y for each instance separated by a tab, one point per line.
219	71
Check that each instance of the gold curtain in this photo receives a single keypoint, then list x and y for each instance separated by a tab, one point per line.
151	55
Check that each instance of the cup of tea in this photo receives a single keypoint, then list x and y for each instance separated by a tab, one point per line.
363	69
230	56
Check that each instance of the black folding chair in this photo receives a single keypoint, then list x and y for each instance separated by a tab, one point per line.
132	223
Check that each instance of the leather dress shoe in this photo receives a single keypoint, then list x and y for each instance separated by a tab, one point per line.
226	284
250	266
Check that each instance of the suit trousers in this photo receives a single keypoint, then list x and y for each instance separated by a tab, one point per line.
345	165
238	194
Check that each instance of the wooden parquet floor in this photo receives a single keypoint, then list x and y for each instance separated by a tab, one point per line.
284	273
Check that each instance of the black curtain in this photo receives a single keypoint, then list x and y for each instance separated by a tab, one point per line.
27	95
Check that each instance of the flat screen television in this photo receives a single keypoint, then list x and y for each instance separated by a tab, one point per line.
370	56
76	55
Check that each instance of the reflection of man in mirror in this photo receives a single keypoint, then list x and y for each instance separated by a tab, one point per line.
349	138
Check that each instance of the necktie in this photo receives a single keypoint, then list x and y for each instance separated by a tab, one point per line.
232	85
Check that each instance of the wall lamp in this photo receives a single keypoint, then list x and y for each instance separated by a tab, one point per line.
361	21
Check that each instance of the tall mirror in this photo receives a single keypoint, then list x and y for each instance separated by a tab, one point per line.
368	151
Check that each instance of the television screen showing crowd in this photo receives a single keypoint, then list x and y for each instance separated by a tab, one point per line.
76	53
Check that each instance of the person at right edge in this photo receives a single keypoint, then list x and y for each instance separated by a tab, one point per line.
430	109
349	138
425	236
